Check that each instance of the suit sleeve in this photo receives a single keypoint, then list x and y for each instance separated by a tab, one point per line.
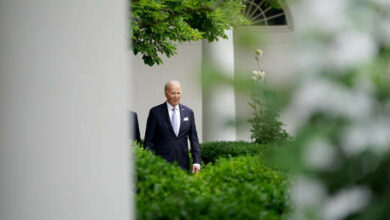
195	149
150	131
136	129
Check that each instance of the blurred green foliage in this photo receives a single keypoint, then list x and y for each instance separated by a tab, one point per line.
242	187
368	167
341	149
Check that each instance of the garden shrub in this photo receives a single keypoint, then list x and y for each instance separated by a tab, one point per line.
211	151
266	127
163	190
244	188
233	188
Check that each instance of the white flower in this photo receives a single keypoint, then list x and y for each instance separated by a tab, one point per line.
320	154
262	74
258	75
323	95
372	135
307	193
345	203
352	48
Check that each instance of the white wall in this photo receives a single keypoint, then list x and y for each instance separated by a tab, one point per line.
149	83
64	151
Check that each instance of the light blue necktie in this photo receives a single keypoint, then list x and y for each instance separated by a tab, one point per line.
175	126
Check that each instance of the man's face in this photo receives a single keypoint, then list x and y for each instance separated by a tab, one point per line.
173	94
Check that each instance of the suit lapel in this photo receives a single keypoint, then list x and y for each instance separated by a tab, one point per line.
166	117
182	115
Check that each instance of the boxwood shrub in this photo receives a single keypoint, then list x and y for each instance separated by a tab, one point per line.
211	151
233	188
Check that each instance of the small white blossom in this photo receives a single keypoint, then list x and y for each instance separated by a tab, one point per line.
262	74
258	75
259	52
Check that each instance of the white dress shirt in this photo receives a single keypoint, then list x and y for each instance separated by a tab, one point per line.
177	114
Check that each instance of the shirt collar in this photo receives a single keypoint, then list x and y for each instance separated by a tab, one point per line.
170	106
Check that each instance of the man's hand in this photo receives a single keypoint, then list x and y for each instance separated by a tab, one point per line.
195	168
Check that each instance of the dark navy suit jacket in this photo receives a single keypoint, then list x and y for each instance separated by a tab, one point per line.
160	137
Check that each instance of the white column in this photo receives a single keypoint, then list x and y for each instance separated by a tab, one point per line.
64	150
219	101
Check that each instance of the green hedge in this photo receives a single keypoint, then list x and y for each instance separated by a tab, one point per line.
232	188
211	151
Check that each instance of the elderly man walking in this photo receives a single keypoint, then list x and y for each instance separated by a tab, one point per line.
168	128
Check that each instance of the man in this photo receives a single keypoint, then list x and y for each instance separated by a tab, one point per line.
168	128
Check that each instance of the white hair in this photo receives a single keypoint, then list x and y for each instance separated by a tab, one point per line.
167	84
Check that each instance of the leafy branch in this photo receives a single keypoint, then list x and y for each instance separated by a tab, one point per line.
158	25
